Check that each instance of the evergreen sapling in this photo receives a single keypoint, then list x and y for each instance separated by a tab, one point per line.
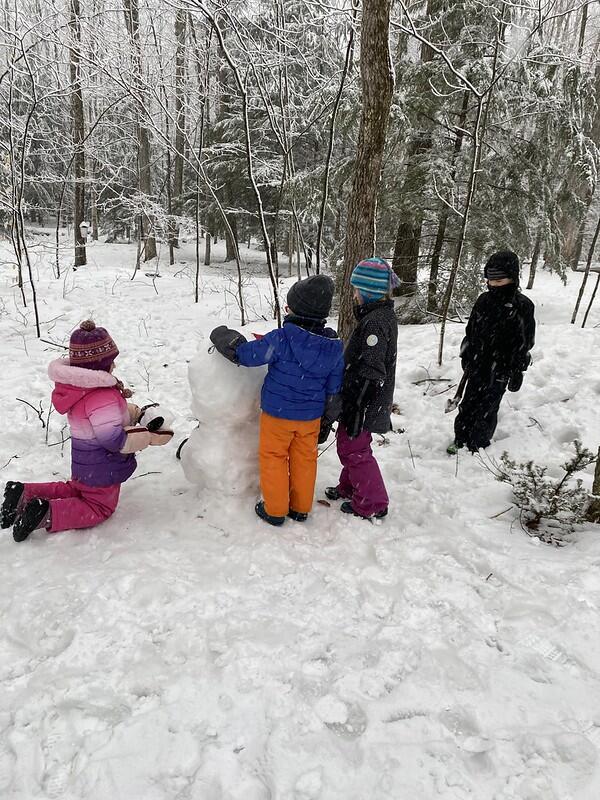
548	507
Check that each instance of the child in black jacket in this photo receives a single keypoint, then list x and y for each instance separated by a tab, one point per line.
368	390
495	351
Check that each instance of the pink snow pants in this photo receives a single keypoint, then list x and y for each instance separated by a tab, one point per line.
361	480
74	504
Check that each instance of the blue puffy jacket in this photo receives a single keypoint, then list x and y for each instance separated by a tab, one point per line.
304	368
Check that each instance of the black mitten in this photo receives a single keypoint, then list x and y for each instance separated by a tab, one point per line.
227	341
516	381
324	431
357	399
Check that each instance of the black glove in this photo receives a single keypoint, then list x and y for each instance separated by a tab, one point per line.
525	361
331	414
516	381
227	341
324	430
357	399
464	354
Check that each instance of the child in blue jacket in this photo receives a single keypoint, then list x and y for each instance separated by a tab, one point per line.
306	367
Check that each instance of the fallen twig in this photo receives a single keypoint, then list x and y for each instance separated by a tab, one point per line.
534	422
325	449
412	458
502	512
143	475
8	462
432	380
38	411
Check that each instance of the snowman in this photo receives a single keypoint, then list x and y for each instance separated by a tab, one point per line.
221	454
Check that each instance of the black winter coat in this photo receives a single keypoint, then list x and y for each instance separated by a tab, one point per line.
370	358
500	333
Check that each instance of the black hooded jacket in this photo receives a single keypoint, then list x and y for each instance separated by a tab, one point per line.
500	333
370	374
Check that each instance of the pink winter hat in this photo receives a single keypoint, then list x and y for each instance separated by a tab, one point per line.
91	347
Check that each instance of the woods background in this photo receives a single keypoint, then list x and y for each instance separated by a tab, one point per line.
430	133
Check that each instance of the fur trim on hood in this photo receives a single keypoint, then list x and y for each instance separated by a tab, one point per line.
60	371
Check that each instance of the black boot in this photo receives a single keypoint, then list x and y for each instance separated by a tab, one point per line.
332	493
260	510
33	516
297	516
346	508
13	491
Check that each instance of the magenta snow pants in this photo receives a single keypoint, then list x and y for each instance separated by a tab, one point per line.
74	504
360	480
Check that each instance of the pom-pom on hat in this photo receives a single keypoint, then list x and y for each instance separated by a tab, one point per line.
91	347
312	297
503	264
374	278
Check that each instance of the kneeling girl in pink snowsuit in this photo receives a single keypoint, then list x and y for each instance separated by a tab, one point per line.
104	438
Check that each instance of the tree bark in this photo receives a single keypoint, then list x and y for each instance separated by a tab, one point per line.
593	512
78	131
436	254
132	20
231	239
207	241
577	193
586	274
377	82
405	261
177	194
327	169
535	256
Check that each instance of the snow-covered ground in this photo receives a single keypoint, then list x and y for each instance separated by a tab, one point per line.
186	651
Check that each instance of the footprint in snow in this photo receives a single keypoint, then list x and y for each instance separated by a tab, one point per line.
346	720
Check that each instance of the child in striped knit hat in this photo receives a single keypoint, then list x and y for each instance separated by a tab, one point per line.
368	390
104	437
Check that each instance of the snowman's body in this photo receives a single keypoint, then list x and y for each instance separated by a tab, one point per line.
221	455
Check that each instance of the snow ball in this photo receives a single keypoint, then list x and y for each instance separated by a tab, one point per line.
331	710
309	785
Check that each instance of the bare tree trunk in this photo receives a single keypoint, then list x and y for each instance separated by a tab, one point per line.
535	256
476	157
242	85
588	266
405	261
177	197
336	105
94	215
207	242
578	193
377	81
593	512
132	20
231	239
197	221
78	132
591	303
436	254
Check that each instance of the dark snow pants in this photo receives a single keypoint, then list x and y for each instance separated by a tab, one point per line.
478	412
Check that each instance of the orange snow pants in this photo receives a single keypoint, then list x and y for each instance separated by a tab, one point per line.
287	454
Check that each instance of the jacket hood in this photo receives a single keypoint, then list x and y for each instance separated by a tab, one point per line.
72	384
316	353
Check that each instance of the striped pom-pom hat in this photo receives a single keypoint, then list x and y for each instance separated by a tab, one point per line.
91	347
374	278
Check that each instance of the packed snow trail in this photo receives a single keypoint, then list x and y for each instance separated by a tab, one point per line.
186	651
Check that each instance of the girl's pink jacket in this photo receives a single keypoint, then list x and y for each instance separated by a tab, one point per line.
98	416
